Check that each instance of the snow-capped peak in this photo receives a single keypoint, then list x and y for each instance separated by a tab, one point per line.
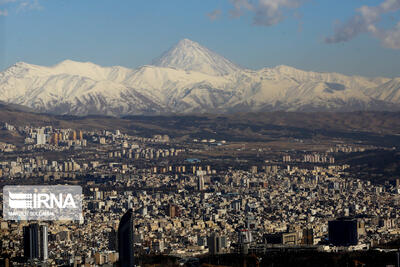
191	56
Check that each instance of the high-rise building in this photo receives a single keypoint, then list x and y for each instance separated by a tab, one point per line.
125	240
213	244
200	182
73	137
308	237
43	239
31	241
343	232
40	139
112	240
54	139
245	238
216	243
35	241
173	211
236	205
80	135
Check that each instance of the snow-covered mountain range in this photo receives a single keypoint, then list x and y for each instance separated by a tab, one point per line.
190	78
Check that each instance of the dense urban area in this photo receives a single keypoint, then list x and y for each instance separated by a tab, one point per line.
193	198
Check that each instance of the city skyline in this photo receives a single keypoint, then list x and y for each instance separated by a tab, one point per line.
200	133
172	200
350	37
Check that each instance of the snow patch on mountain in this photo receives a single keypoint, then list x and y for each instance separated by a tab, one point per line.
191	56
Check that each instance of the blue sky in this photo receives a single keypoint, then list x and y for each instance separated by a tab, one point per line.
348	36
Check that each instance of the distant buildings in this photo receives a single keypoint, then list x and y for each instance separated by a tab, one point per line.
161	138
286	158
189	207
40	138
253	169
318	158
73	135
200	182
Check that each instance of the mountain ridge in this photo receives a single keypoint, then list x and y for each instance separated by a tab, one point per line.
189	78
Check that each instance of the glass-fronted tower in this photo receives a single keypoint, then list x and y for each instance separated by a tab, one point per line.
125	240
